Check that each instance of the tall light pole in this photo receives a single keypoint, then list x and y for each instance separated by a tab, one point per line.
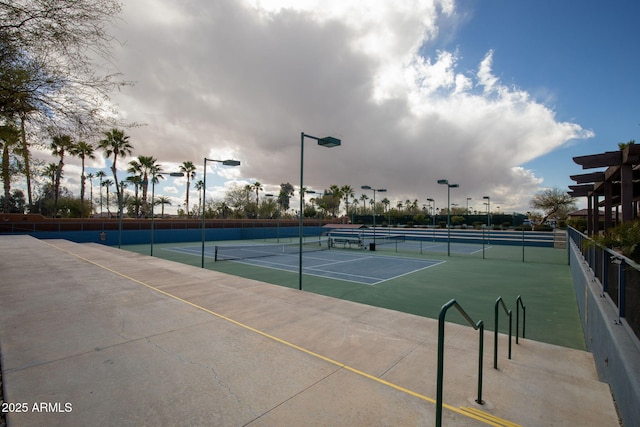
204	191
433	209
153	198
449	187
375	190
329	142
488	210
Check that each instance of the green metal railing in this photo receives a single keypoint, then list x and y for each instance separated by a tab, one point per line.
519	304
499	302
441	323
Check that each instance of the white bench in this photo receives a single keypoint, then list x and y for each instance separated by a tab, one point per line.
346	241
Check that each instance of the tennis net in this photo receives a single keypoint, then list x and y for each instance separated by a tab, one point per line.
234	252
384	239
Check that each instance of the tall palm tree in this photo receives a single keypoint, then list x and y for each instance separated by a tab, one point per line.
335	198
364	198
162	200
189	169
50	171
60	144
200	186
83	150
257	187
347	192
148	167
100	175
90	177
116	143
136	179
107	183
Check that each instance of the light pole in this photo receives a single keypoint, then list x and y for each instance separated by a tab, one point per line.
204	191
328	142
488	210
433	210
153	198
449	187
375	190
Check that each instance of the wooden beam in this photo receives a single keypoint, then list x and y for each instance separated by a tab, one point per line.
588	177
608	158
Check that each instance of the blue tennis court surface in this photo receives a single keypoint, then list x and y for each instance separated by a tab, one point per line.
353	266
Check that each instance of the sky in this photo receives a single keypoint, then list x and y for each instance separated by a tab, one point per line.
495	96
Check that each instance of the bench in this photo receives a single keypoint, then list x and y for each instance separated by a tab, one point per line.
346	241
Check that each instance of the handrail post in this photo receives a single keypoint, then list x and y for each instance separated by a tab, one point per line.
480	326
440	374
495	330
519	304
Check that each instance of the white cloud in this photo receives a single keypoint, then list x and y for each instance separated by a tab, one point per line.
242	80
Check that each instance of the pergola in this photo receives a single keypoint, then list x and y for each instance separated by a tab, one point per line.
618	185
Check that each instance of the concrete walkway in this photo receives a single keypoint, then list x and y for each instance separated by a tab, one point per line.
90	335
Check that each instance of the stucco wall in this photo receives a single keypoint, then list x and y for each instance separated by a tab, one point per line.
615	348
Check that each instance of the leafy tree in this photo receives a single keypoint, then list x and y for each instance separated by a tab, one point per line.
9	139
553	201
48	73
286	191
15	203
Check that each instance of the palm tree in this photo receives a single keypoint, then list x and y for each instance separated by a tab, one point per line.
364	198
162	200
347	192
107	183
257	187
101	175
200	186
50	171
189	169
83	150
116	143
59	146
90	177
336	196
385	202
136	180
148	166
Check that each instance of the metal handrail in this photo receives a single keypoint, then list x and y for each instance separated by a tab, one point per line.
500	301
519	304
477	326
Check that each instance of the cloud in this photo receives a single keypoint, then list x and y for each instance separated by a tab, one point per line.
230	79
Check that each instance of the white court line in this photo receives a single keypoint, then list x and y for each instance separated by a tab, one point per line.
328	274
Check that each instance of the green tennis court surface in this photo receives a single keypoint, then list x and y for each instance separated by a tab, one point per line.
543	281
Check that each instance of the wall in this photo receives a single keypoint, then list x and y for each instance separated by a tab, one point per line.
615	348
143	237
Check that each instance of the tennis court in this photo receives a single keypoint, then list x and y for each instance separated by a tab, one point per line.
353	266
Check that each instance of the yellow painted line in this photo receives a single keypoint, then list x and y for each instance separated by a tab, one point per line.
489	417
461	411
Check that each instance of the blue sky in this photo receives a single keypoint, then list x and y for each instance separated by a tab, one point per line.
496	96
581	58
